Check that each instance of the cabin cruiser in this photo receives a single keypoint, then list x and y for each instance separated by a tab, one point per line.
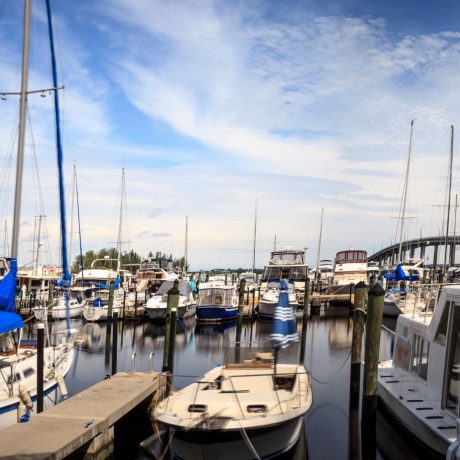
248	408
36	281
420	385
156	306
288	264
269	299
217	303
152	272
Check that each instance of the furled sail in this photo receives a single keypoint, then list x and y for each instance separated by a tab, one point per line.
8	319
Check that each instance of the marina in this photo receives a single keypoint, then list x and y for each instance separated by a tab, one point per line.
323	327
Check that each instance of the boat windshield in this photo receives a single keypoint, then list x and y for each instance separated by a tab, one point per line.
278	272
287	257
351	256
215	296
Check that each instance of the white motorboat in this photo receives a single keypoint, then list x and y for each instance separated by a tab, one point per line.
243	409
98	309
420	385
156	306
269	299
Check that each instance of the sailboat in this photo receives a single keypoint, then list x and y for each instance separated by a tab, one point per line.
250	407
18	358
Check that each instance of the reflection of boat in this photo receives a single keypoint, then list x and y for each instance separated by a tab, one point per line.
212	329
217	304
340	335
91	337
157	304
240	410
420	386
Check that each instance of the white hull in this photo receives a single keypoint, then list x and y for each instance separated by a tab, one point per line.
159	313
60	312
91	313
267	309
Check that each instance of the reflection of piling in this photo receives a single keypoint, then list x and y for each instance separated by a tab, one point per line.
40	365
173	302
114	342
371	358
306	299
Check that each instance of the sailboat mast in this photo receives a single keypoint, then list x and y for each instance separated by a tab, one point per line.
186	244
319	241
71	214
40	217
254	241
79	228
451	160
22	131
120	219
274	244
406	183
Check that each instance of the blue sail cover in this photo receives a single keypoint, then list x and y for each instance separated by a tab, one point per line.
284	325
401	275
101	285
9	321
8	288
117	282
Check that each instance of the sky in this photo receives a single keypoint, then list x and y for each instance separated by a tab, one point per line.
212	105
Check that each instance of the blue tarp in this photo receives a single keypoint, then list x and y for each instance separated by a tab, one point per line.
117	282
9	321
401	275
100	285
8	288
284	324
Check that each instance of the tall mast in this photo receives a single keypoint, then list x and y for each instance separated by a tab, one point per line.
22	131
406	183
40	217
79	227
186	244
254	241
274	244
319	241
120	220
451	160
5	241
72	213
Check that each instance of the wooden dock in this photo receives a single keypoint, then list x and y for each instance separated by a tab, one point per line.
83	423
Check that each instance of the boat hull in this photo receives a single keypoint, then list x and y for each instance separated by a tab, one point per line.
267	309
268	442
61	313
215	313
159	313
390	309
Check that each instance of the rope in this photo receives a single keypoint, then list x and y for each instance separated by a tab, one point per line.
248	442
335	373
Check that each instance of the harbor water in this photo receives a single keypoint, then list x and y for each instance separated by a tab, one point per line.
200	347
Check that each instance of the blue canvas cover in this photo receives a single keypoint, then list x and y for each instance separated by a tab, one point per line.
9	321
8	288
284	324
401	275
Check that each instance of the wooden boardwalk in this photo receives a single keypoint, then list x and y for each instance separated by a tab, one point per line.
74	423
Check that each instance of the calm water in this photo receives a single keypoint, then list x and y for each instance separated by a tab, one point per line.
200	348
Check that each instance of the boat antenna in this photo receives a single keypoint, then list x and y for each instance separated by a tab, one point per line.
451	159
120	219
60	161
254	240
406	183
319	241
21	134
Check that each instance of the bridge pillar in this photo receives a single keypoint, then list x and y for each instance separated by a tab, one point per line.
412	252
452	254
435	257
422	251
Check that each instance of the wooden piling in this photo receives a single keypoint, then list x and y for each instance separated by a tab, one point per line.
114	342
172	340
50	295
241	296
253	302
306	300
359	319
173	302
110	306
371	358
40	365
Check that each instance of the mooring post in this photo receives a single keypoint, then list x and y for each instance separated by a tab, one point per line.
173	302
371	359
50	295
359	318
352	293
372	280
114	342
306	300
241	297
172	340
253	302
110	306
40	364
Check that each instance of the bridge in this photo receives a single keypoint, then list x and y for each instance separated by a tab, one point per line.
389	255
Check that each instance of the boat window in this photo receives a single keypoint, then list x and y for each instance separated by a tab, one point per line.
453	365
440	336
200	408
420	351
28	372
257	408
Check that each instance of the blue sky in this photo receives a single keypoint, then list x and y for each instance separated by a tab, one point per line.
211	104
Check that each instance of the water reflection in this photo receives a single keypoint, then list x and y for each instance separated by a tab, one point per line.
199	347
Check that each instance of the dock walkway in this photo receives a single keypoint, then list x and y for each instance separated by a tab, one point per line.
74	423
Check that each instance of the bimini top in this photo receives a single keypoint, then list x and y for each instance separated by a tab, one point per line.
184	288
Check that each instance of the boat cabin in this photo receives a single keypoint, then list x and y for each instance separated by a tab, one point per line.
286	264
217	295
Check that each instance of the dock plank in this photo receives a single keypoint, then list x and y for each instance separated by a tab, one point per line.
66	427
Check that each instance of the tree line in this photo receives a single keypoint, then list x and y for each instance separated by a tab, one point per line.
129	260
